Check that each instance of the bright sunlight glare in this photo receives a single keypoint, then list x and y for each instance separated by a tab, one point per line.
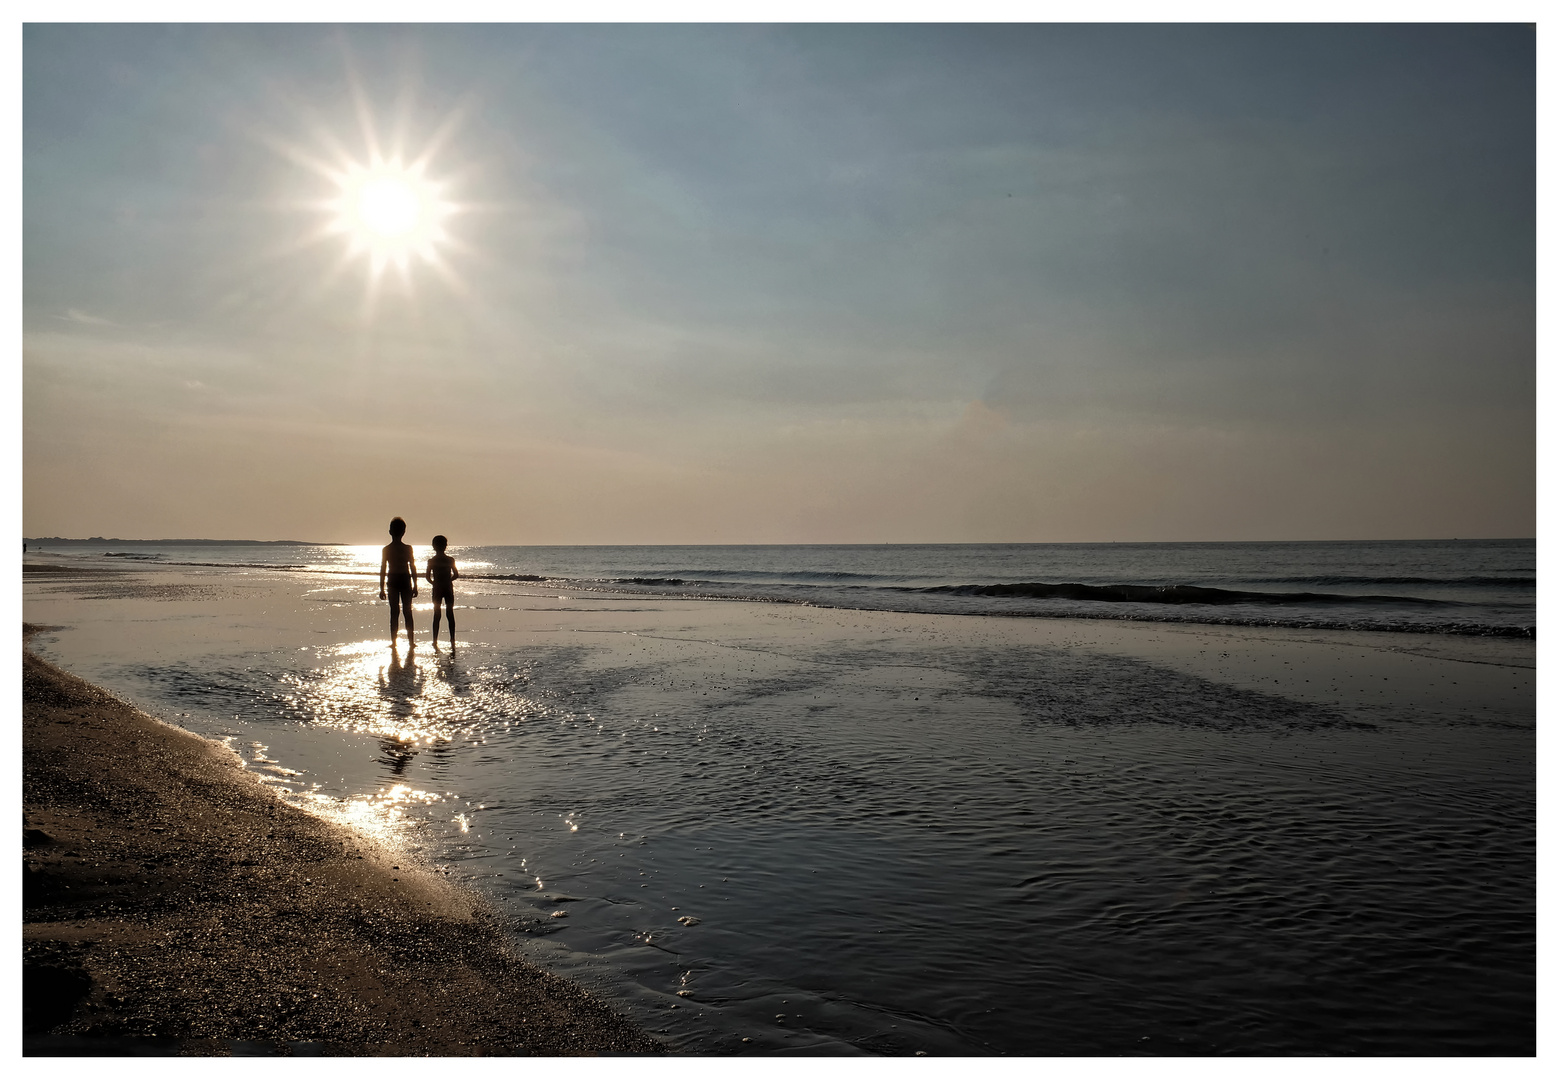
390	213
390	203
389	206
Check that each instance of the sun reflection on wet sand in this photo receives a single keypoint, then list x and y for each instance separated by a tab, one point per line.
408	705
382	814
395	696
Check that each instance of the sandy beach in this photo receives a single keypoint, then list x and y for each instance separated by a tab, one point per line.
174	905
770	828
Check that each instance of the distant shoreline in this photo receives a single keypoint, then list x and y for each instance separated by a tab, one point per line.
211	543
820	543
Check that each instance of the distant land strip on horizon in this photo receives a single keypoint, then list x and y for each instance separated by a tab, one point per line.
117	540
901	543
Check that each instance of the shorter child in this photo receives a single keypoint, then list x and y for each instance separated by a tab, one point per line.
441	574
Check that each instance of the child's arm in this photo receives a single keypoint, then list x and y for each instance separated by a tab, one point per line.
429	572
384	561
454	571
411	569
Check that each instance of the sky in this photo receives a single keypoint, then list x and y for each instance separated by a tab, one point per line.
779	284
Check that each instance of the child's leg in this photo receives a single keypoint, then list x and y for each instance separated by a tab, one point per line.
395	616
406	603
449	604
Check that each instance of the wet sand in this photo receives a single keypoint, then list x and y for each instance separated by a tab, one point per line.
1176	838
174	905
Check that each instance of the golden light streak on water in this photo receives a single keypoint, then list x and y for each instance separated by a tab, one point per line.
381	814
392	694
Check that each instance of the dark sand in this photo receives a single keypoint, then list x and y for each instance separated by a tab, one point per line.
174	905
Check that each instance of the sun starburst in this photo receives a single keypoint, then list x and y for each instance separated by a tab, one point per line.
388	204
390	212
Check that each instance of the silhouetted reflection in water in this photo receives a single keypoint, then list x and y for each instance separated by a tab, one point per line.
400	684
447	671
397	754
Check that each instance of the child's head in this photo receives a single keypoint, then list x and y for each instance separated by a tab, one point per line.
397	528
440	543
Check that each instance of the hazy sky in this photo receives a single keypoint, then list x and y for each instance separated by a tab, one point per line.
779	284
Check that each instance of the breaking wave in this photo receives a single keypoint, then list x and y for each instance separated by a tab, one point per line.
1169	594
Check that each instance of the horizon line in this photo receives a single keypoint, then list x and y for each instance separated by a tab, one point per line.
810	543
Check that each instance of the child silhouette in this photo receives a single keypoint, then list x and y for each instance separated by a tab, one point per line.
399	567
441	574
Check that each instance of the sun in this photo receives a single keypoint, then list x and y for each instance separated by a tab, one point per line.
389	207
390	212
386	204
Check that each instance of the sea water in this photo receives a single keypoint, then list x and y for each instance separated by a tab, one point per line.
1433	586
855	823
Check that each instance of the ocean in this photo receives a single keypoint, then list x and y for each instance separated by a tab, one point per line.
1433	586
962	799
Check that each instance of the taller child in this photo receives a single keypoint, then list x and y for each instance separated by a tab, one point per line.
398	567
